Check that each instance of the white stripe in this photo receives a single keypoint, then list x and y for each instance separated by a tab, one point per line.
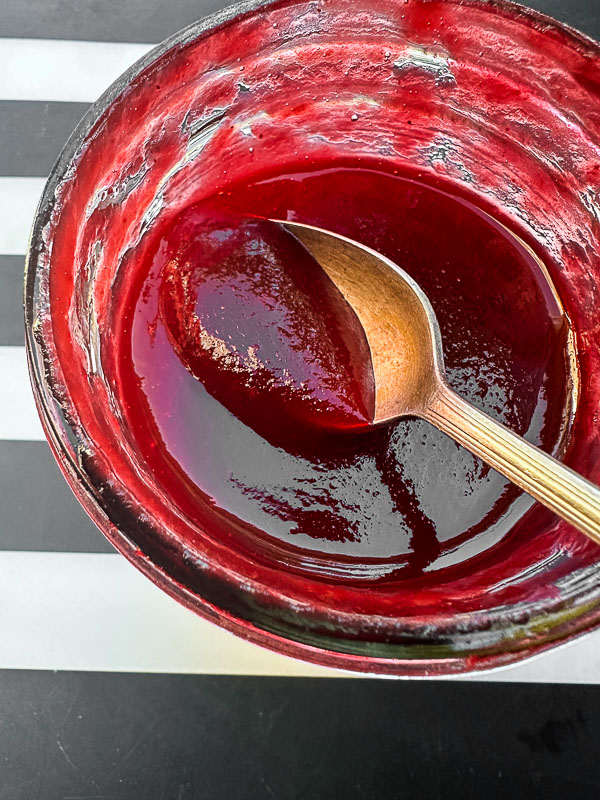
76	611
18	414
96	612
61	70
18	200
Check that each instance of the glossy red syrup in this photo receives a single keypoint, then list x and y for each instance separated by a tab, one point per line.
235	349
253	316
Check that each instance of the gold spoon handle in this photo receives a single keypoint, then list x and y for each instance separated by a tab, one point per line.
556	486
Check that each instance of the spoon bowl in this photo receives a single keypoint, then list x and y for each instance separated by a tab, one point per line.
402	331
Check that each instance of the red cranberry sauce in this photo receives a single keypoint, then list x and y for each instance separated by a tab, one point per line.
243	375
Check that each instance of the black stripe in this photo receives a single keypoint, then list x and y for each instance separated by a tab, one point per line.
101	20
33	134
11	300
37	509
153	20
89	735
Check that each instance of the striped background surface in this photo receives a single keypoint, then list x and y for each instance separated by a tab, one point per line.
69	603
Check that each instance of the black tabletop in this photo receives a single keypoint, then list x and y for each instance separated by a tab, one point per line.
81	714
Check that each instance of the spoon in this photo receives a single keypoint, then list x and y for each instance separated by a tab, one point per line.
408	365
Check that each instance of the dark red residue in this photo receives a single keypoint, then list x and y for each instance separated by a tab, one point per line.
244	356
253	316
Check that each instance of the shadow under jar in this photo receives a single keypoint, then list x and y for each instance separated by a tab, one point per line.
462	141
